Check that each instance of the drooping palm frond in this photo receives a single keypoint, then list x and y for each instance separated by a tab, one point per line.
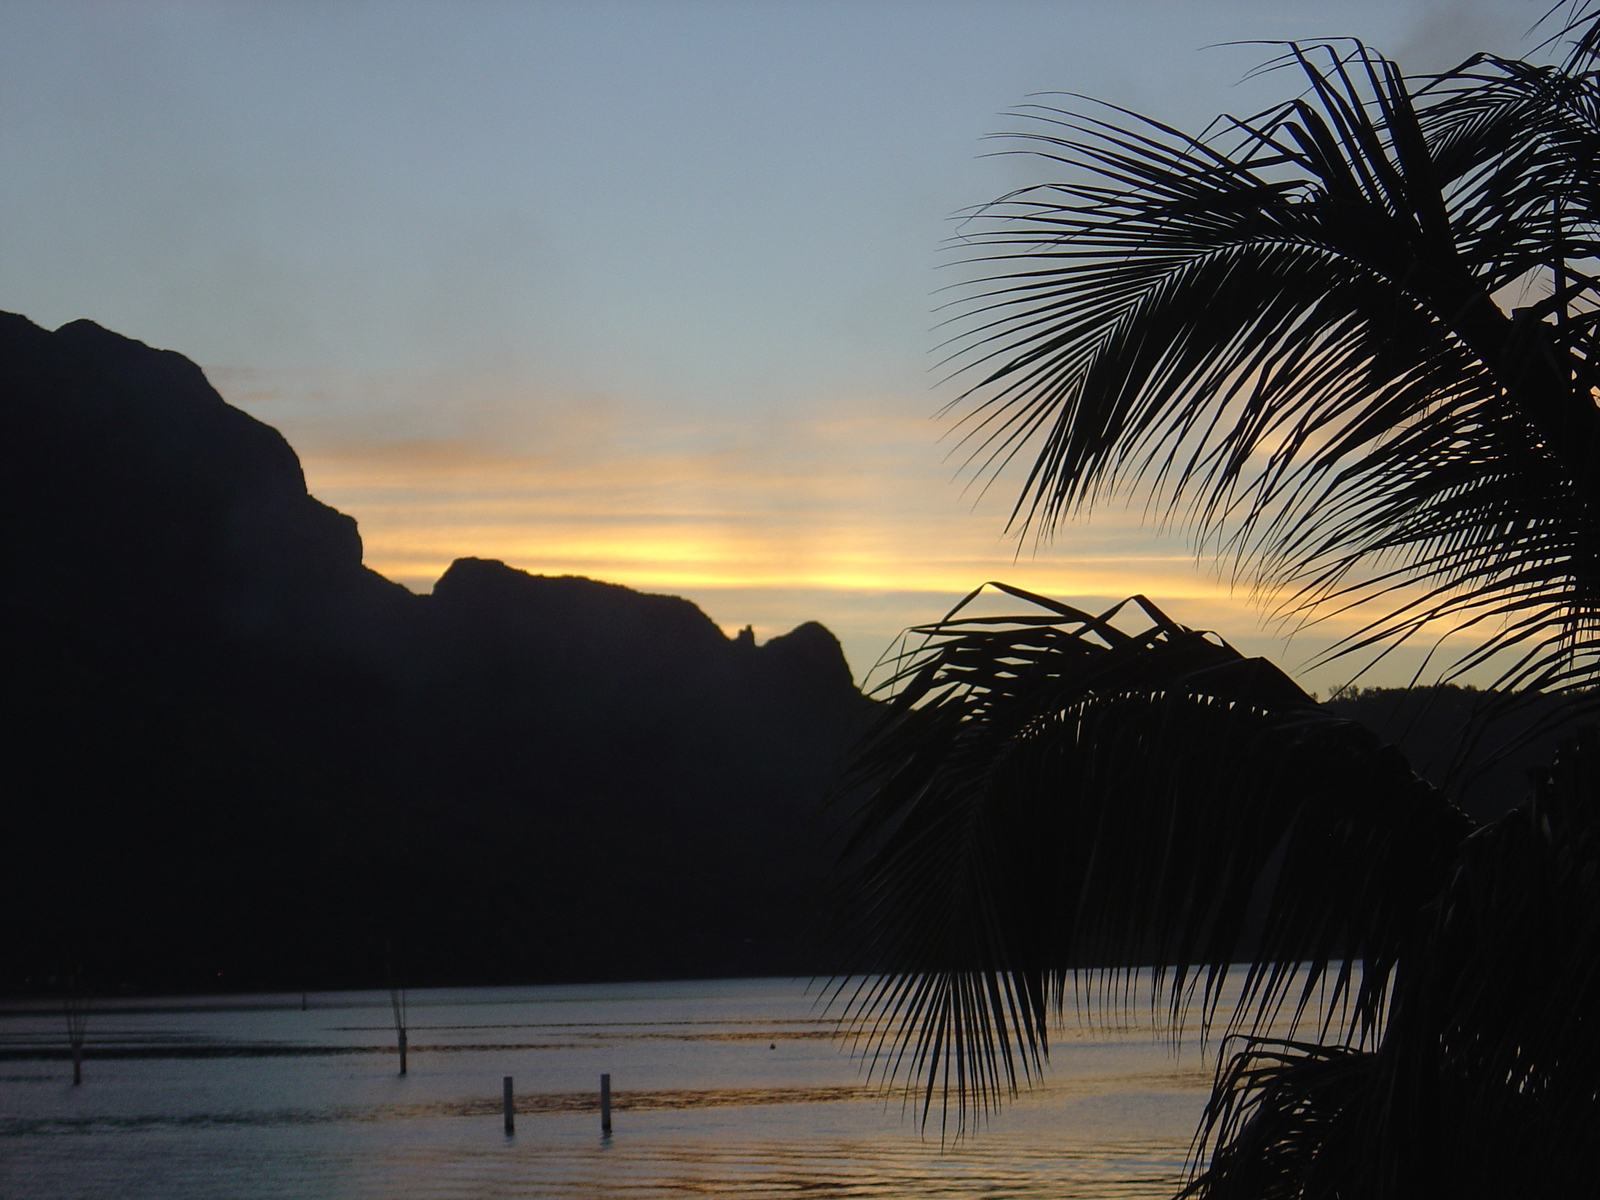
1051	794
1283	1122
1291	332
1351	342
1504	1003
1487	1081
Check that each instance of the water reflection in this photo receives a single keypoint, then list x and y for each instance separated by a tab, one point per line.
725	1089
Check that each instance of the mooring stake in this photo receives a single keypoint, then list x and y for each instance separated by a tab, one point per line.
605	1105
511	1110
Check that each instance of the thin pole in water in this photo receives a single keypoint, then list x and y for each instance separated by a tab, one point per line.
397	999
605	1105
77	1008
511	1110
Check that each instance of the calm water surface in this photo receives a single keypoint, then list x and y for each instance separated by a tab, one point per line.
721	1088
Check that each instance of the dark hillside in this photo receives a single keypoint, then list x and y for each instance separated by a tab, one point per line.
236	756
1442	731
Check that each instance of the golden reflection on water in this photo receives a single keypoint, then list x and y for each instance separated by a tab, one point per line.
651	1168
545	1103
726	1088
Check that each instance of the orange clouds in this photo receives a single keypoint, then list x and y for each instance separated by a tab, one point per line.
845	513
842	502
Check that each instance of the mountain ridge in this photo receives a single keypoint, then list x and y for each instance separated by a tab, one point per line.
241	755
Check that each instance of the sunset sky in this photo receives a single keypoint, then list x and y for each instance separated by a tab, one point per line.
640	291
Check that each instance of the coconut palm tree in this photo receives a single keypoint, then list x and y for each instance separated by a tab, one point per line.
1349	343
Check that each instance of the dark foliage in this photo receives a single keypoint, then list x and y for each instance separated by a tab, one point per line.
1057	803
1479	746
1488	1081
1053	793
1292	332
1350	343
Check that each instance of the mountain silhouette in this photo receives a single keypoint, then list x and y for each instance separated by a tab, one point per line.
238	758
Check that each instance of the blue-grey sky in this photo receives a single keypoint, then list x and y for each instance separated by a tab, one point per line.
643	291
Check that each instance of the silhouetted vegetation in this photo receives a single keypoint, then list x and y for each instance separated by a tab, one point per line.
1291	331
1483	749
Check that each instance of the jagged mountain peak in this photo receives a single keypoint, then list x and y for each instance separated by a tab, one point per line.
232	747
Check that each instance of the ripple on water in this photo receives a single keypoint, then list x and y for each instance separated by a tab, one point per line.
731	1088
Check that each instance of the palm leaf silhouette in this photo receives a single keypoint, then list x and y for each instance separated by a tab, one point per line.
1487	1081
1349	343
1050	793
1289	333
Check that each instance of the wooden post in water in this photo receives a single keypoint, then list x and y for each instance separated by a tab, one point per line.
511	1110
77	1009
605	1105
397	1000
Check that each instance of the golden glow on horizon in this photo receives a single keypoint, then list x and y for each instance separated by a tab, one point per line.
847	515
820	507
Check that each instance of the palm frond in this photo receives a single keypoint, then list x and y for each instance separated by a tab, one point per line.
1511	983
1282	1123
1582	29
1487	1082
1290	333
1351	344
1050	794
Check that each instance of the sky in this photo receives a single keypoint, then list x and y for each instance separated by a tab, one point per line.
647	292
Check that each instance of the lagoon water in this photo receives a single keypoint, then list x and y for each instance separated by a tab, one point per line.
722	1088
